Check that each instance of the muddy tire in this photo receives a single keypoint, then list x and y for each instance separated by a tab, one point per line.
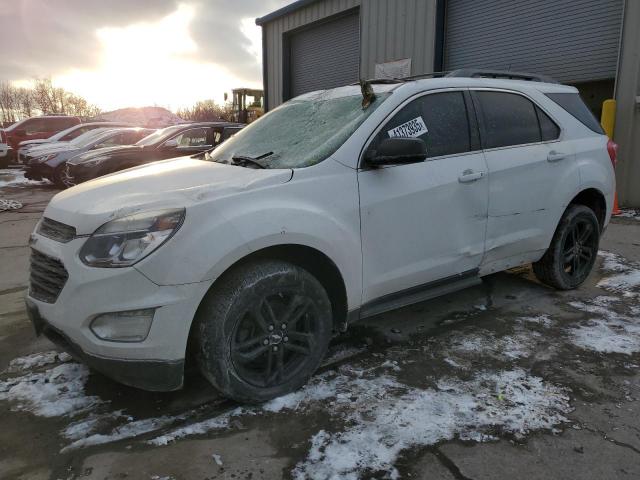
573	250
262	330
57	176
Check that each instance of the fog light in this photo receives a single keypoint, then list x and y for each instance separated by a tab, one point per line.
131	326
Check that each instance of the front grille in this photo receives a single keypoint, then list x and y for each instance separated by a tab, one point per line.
47	278
56	231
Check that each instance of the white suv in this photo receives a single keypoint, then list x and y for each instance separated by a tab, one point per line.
335	206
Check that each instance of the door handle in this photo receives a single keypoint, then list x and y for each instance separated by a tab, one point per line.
555	156
469	176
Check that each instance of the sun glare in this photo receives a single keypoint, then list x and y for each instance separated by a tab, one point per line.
154	64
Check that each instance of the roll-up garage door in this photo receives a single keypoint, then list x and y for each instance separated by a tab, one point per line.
570	40
325	56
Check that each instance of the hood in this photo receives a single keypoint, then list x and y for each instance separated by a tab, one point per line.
33	143
107	151
175	183
49	147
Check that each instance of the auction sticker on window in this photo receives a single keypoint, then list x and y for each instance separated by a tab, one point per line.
412	128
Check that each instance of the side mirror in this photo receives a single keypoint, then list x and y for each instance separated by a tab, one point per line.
171	143
398	150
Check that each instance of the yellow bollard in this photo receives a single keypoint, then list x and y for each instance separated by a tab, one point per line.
608	119
608	122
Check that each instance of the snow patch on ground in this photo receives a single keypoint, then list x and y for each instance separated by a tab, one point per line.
15	177
384	417
627	275
608	331
543	320
128	430
629	213
521	344
220	422
55	392
37	360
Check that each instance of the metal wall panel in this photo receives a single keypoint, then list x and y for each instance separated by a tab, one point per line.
627	129
571	40
326	55
389	30
275	30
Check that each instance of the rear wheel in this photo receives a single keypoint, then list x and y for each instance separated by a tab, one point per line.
573	250
263	330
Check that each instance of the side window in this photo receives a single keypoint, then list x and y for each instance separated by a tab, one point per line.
196	137
76	133
440	119
35	126
548	128
509	119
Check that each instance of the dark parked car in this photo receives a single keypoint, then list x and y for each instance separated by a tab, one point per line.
50	163
33	128
66	135
170	142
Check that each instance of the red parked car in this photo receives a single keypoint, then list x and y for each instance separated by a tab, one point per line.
33	128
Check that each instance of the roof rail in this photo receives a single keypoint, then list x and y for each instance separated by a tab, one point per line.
480	73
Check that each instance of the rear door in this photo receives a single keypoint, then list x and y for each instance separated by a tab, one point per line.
425	221
528	162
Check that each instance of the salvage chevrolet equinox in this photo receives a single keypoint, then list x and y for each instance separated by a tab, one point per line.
338	205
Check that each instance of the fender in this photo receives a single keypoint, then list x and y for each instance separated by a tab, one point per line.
297	212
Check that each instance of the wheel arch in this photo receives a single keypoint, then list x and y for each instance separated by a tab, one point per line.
594	199
314	261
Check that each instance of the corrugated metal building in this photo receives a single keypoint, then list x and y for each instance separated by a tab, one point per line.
314	44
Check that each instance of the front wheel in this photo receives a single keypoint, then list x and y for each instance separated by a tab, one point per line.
263	330
58	176
573	250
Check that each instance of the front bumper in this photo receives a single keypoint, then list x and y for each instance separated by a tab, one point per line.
153	364
37	171
152	375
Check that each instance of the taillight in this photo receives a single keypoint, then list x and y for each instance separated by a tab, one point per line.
612	148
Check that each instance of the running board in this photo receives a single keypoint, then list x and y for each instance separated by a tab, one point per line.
420	293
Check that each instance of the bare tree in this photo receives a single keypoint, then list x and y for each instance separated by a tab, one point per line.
206	111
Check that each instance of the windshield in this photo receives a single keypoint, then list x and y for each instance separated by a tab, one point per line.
159	135
15	125
87	136
298	134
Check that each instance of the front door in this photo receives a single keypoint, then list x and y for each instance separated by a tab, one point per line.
425	221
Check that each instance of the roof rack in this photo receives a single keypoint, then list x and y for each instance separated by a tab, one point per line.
480	73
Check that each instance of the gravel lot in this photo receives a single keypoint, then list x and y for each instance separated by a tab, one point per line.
506	380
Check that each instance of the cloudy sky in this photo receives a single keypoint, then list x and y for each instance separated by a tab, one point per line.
119	53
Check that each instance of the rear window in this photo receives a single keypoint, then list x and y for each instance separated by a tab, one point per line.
508	119
573	104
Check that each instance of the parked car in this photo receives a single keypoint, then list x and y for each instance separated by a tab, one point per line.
50	163
34	128
170	142
6	152
330	208
67	135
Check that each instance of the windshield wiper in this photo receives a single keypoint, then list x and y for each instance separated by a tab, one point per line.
251	160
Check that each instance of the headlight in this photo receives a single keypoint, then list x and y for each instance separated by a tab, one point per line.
45	158
93	162
127	240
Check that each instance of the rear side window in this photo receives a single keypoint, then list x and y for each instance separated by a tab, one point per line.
548	128
508	119
440	119
573	104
